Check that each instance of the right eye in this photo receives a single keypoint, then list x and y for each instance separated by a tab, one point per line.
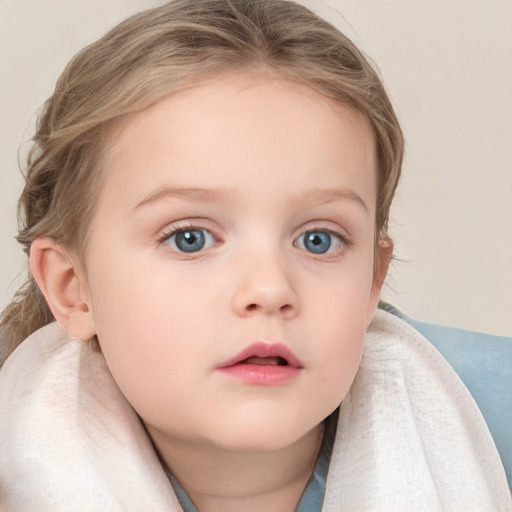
189	240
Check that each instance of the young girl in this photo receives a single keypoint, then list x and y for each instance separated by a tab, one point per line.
205	212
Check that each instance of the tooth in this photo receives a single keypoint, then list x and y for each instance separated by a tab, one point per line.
269	361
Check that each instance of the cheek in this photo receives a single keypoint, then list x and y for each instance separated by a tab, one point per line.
341	359
146	330
339	323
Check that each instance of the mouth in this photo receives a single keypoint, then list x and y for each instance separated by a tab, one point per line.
271	361
265	354
263	364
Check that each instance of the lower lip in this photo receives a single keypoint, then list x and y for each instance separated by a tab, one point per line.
261	375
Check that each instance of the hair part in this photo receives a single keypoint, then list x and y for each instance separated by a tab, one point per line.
159	52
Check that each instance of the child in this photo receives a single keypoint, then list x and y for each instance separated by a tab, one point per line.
205	212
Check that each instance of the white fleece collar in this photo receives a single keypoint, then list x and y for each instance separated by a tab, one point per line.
410	437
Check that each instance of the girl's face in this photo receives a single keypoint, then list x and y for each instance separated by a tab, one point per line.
230	261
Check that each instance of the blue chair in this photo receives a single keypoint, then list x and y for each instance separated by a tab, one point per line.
484	363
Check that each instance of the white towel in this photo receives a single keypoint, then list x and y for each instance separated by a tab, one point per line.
410	438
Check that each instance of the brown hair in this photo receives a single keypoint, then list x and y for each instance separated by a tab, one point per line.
151	55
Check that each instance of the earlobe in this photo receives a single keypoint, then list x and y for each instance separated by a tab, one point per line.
63	287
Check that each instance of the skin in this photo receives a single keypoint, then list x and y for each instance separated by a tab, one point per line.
272	160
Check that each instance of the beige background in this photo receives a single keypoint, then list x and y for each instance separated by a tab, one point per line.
448	68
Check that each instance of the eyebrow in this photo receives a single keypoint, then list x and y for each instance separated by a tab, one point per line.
310	197
194	194
325	196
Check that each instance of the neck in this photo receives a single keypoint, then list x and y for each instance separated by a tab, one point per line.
225	480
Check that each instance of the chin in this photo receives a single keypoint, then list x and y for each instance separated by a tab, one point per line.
261	437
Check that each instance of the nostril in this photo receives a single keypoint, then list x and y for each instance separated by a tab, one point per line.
250	308
286	310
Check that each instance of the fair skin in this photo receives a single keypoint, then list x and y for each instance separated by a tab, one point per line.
240	211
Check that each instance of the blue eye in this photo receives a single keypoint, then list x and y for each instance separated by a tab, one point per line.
318	241
190	240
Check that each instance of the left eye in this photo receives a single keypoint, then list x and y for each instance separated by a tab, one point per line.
319	242
190	240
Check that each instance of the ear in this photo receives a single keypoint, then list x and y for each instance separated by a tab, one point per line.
382	260
63	286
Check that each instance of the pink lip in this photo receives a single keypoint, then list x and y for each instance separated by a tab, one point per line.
263	374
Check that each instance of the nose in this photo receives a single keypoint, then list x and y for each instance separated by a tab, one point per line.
265	286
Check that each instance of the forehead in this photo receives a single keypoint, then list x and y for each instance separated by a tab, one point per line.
231	129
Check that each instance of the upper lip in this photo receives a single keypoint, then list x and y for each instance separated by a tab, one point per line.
261	349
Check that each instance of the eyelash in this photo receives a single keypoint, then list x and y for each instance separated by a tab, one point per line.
177	229
344	242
